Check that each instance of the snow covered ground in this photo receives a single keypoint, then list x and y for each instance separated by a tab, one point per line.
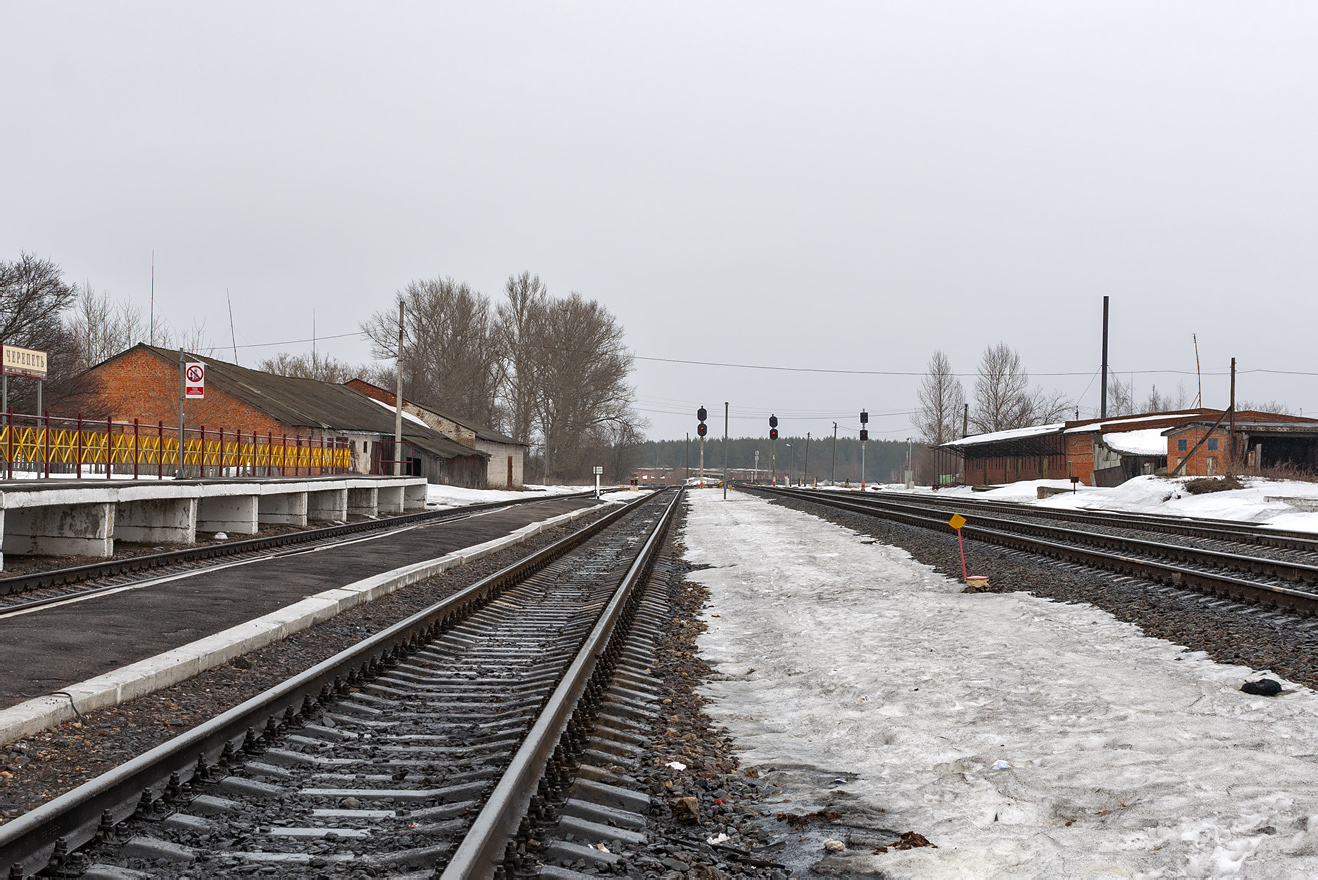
456	496
1166	496
1125	756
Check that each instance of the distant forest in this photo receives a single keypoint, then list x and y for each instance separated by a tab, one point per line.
884	459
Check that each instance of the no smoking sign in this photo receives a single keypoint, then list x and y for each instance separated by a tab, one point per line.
194	385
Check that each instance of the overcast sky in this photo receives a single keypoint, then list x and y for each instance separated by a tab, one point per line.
806	185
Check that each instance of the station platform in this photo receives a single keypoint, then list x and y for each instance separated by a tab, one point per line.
86	517
55	647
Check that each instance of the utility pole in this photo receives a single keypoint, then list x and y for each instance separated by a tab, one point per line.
725	450
398	406
965	422
805	470
1102	389
755	474
1233	413
688	456
179	473
833	477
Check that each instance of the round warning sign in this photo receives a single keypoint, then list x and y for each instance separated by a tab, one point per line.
194	384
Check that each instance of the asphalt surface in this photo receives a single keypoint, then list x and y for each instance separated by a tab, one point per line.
53	648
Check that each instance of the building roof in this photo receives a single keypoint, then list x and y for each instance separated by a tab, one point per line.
310	403
481	432
1137	424
1014	434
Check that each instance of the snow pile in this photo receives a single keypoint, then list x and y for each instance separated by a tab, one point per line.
456	496
1149	441
1151	494
1127	756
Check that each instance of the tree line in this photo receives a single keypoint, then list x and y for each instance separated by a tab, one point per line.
1004	399
550	371
882	457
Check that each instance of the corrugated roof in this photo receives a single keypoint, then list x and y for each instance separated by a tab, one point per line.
481	432
310	403
1015	434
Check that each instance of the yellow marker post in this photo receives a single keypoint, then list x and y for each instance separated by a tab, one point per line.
956	522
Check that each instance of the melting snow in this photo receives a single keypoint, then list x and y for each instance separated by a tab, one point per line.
1126	756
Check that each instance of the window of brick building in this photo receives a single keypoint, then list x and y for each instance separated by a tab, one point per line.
1212	444
1180	445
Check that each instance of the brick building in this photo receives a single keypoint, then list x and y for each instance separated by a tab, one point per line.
506	455
1263	441
143	383
1107	452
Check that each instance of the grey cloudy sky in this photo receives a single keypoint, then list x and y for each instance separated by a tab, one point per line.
844	186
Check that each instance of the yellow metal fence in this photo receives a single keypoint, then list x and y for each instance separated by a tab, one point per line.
68	446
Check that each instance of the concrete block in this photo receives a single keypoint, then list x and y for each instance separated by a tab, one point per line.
327	505
156	521
64	530
235	514
414	497
282	509
361	500
389	500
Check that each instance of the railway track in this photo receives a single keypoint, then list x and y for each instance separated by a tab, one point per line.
1232	568
31	590
420	749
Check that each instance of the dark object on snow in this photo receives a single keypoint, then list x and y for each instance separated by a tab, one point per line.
1264	687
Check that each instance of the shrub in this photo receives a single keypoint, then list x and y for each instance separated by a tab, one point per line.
1204	485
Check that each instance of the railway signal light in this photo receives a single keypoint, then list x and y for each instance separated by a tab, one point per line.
773	421
773	433
864	433
864	417
702	414
701	429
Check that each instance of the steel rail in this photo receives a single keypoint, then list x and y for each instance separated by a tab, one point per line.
1216	583
483	848
111	567
1197	527
1295	572
72	819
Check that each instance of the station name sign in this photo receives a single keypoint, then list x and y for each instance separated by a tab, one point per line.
23	362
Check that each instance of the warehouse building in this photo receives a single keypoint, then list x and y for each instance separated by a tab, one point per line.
1107	452
143	383
506	456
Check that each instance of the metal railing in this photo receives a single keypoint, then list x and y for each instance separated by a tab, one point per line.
53	446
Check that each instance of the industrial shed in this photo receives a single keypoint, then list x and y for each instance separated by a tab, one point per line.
1264	441
1098	452
143	383
506	456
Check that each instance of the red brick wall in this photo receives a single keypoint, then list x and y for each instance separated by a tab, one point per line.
1080	454
1198	463
140	385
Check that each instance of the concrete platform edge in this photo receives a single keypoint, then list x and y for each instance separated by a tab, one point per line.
162	670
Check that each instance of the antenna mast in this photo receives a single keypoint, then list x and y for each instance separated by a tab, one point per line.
232	336
152	330
1199	399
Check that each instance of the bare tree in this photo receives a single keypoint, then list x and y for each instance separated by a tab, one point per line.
518	335
309	366
448	359
1120	396
582	370
1002	391
1003	399
1046	407
940	400
1268	406
33	296
103	327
